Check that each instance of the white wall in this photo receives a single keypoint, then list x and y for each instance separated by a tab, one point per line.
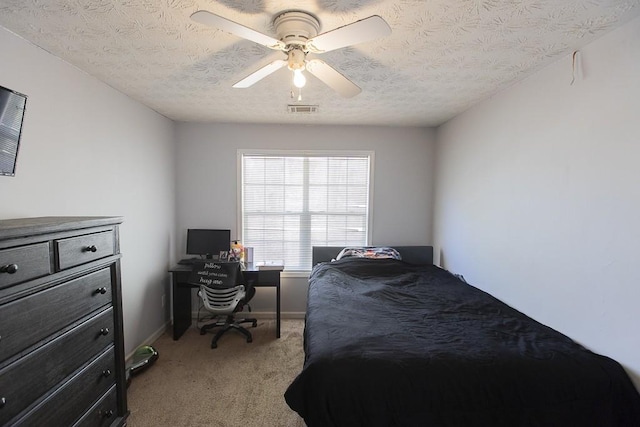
538	196
87	149
403	182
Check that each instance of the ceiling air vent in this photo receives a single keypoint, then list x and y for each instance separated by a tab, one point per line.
303	108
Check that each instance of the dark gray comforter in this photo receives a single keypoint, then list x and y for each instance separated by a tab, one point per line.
392	344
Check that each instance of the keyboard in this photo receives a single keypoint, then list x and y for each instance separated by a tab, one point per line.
188	261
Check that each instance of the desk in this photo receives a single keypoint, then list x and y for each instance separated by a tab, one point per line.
181	294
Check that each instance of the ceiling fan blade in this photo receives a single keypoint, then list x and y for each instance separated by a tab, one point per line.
215	21
360	31
332	78
263	72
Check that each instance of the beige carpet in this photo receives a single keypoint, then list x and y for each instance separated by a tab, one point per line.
238	384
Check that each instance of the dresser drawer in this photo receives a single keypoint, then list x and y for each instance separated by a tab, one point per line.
68	403
103	413
30	377
81	249
37	316
24	263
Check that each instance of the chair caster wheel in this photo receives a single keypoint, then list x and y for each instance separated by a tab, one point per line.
249	340
255	323
202	332
214	345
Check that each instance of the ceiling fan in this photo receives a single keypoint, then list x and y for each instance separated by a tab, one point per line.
297	33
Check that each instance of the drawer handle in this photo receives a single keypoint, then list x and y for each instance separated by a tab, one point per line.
101	290
91	248
3	401
106	373
104	331
9	268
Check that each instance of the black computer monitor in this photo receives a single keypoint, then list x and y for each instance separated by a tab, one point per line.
208	243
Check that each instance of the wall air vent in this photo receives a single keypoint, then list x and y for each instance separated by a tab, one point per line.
303	108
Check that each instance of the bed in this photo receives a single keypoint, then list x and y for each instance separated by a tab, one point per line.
405	343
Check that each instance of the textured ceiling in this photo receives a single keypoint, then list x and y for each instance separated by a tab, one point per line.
442	56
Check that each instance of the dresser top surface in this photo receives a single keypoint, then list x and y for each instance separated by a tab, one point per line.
10	228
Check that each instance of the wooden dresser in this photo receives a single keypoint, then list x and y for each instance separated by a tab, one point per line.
61	342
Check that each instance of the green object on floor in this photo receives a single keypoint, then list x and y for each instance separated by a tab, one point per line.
143	357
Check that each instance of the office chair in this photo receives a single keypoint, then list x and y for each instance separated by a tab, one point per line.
227	302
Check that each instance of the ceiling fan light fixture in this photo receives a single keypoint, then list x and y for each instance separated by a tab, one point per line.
296	63
299	80
296	59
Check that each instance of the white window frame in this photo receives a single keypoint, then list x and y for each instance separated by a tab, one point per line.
309	153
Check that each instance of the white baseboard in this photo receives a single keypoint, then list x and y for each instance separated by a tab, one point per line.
272	315
264	314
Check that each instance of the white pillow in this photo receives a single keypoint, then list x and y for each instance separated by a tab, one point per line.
371	252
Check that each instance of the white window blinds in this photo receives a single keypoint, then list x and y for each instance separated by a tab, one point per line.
291	202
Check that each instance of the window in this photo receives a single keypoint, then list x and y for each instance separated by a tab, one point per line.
292	201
